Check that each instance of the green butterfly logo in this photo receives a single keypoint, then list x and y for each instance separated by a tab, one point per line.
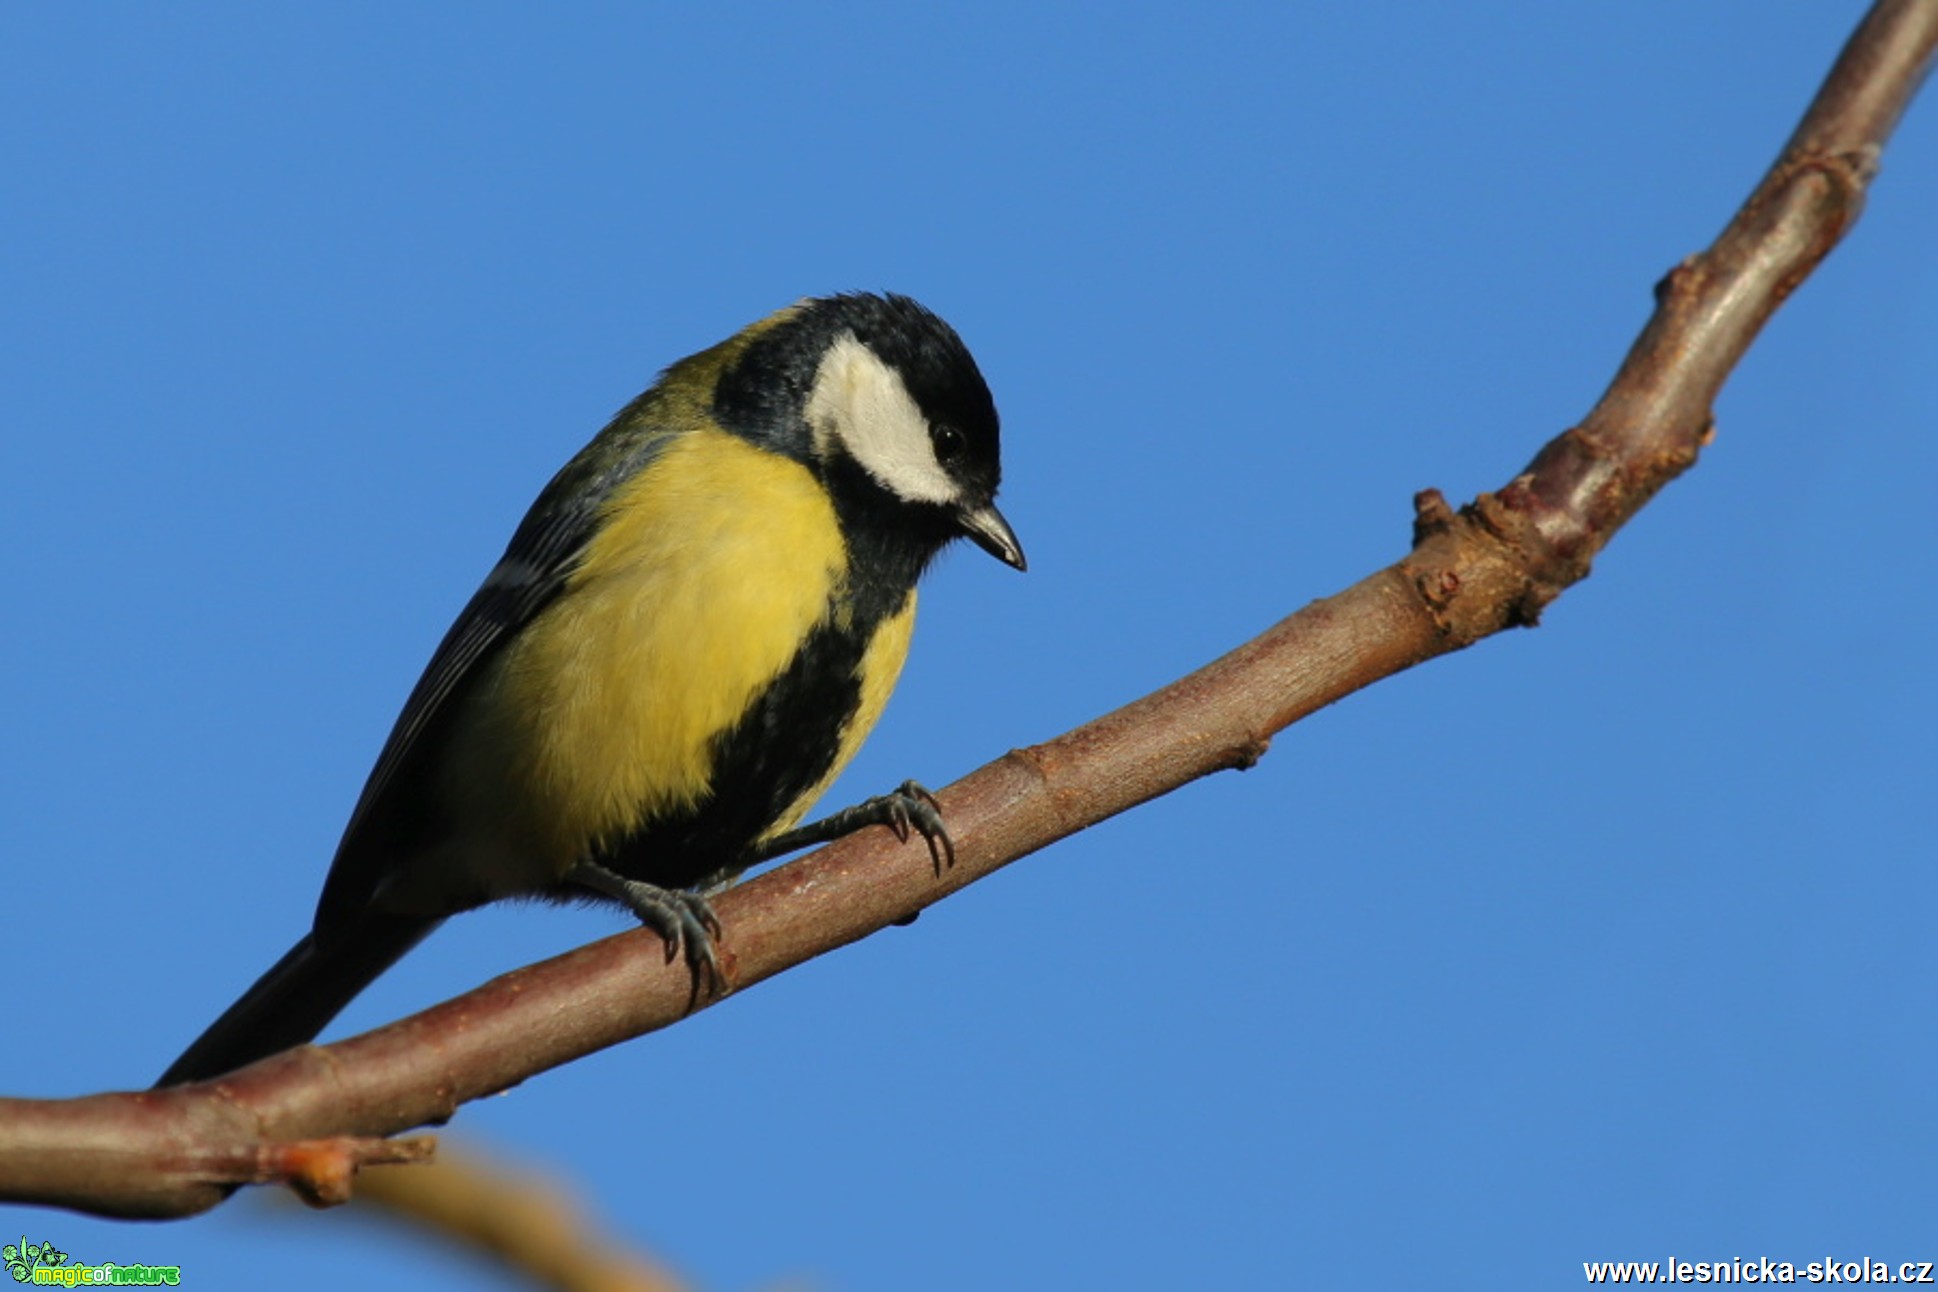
23	1258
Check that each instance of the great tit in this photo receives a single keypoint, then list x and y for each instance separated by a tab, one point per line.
688	637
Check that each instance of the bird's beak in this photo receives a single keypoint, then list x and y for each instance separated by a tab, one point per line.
986	528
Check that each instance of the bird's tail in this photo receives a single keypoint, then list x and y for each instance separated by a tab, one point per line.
297	998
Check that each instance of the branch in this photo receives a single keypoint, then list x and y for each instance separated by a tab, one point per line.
1495	564
528	1226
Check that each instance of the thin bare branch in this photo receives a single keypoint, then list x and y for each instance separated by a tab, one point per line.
527	1224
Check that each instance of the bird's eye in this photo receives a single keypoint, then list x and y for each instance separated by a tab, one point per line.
949	443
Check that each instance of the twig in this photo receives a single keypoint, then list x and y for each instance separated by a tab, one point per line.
526	1224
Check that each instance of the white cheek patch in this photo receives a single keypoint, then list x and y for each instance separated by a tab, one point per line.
860	404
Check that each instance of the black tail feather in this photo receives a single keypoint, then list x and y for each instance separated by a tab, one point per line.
297	998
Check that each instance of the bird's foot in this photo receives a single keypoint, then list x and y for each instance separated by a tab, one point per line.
684	921
907	810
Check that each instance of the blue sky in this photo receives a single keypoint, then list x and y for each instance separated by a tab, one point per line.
1607	940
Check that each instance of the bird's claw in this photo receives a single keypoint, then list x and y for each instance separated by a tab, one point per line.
684	921
913	810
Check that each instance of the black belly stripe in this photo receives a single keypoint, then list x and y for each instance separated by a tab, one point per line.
782	747
786	741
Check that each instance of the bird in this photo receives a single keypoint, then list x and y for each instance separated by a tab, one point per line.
688	637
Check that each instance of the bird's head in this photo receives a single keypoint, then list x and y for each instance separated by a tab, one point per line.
882	399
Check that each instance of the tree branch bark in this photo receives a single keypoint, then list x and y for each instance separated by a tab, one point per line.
1494	564
531	1226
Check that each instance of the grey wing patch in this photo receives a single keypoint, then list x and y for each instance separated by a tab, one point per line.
535	567
514	591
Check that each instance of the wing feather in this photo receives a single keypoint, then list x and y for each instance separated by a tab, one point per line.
537	564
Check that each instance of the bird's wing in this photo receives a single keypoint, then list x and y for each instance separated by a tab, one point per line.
535	567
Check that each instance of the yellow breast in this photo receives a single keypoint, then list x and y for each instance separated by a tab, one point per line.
710	567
